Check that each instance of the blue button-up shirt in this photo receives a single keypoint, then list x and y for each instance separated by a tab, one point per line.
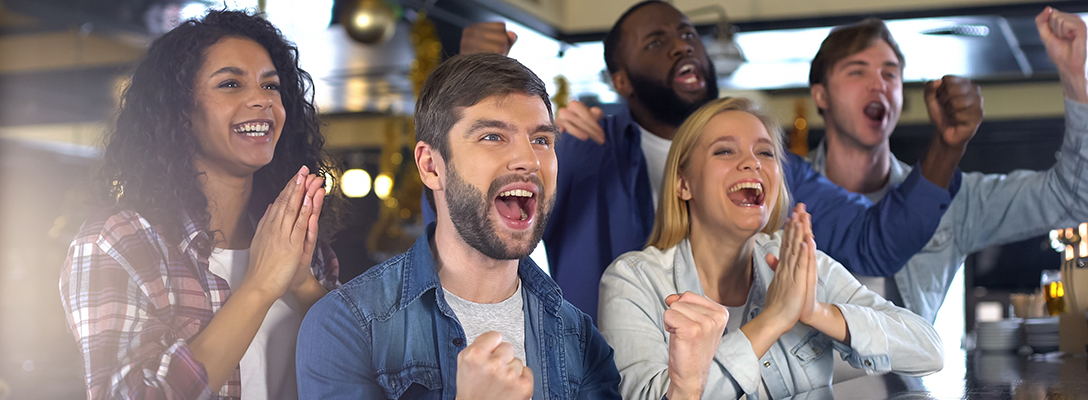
390	334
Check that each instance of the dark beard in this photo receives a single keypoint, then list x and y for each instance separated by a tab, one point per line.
664	104
470	211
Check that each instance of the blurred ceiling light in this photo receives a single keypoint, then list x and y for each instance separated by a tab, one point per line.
723	50
356	183
383	185
370	21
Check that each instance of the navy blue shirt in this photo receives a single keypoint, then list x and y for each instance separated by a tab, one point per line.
390	334
604	208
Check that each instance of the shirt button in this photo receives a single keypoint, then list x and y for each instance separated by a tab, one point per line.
766	364
868	363
458	342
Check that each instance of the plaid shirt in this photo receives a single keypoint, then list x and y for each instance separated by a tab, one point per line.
134	301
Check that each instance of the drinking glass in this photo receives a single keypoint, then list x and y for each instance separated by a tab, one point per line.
1053	292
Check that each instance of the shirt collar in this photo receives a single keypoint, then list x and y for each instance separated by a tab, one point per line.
422	276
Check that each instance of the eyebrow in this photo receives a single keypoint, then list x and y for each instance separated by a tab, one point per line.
506	126
734	139
661	32
238	71
866	63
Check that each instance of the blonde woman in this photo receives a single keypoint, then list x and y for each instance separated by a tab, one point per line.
721	302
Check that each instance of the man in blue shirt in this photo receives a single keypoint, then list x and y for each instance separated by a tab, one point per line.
607	185
856	80
463	313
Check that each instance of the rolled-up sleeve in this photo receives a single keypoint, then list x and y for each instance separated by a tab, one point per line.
883	337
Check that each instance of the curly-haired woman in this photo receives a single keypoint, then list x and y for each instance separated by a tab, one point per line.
194	281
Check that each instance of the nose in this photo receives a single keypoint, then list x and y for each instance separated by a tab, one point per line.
750	163
523	158
259	97
681	46
877	83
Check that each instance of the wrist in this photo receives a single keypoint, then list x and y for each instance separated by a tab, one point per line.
255	293
1075	88
677	391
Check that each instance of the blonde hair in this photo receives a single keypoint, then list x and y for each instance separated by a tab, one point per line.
673	221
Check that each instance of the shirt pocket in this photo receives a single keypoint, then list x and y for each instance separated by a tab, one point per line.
813	346
412	382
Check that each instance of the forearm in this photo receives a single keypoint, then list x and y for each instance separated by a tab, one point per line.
763	331
941	160
829	320
223	343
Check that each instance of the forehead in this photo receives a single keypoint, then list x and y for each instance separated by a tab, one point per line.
508	105
877	53
236	50
739	124
650	18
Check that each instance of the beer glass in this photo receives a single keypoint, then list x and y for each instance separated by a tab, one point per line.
1053	292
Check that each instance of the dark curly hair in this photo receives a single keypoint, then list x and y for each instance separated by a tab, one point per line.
149	159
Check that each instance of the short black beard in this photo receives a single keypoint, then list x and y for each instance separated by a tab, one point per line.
470	211
664	104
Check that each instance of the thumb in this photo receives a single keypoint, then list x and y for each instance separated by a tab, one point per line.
772	262
672	298
511	38
597	113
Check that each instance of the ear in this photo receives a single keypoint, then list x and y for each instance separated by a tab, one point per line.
622	84
819	95
682	189
431	166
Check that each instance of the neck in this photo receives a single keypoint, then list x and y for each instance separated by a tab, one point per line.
857	168
724	263
466	272
645	119
228	197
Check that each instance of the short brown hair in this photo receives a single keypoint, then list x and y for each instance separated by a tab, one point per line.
461	82
673	222
847	40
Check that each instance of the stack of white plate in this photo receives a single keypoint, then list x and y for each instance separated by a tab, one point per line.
1003	335
1042	334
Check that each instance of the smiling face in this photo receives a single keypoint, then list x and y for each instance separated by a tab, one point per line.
863	96
731	180
663	58
500	184
238	116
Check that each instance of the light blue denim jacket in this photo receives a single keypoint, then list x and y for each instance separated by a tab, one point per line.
883	337
390	334
990	210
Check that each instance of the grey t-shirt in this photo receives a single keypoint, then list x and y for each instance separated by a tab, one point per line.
506	317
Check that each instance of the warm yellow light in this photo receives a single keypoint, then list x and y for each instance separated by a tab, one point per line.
356	183
383	185
1083	230
800	124
1068	253
396	158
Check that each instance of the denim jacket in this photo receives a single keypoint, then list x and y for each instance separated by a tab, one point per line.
390	334
883	337
991	210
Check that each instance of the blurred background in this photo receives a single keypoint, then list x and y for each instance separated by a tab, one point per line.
63	64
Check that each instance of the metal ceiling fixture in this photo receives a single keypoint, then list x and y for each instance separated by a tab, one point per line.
722	49
370	21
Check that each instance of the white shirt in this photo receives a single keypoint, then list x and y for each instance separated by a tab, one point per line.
656	150
268	367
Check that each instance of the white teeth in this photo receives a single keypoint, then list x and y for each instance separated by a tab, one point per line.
524	216
747	185
516	192
691	80
685	69
253	128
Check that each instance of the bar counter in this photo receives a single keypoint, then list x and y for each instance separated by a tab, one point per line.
974	375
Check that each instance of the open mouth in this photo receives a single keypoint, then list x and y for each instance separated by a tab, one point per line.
517	206
688	76
876	111
253	128
746	194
